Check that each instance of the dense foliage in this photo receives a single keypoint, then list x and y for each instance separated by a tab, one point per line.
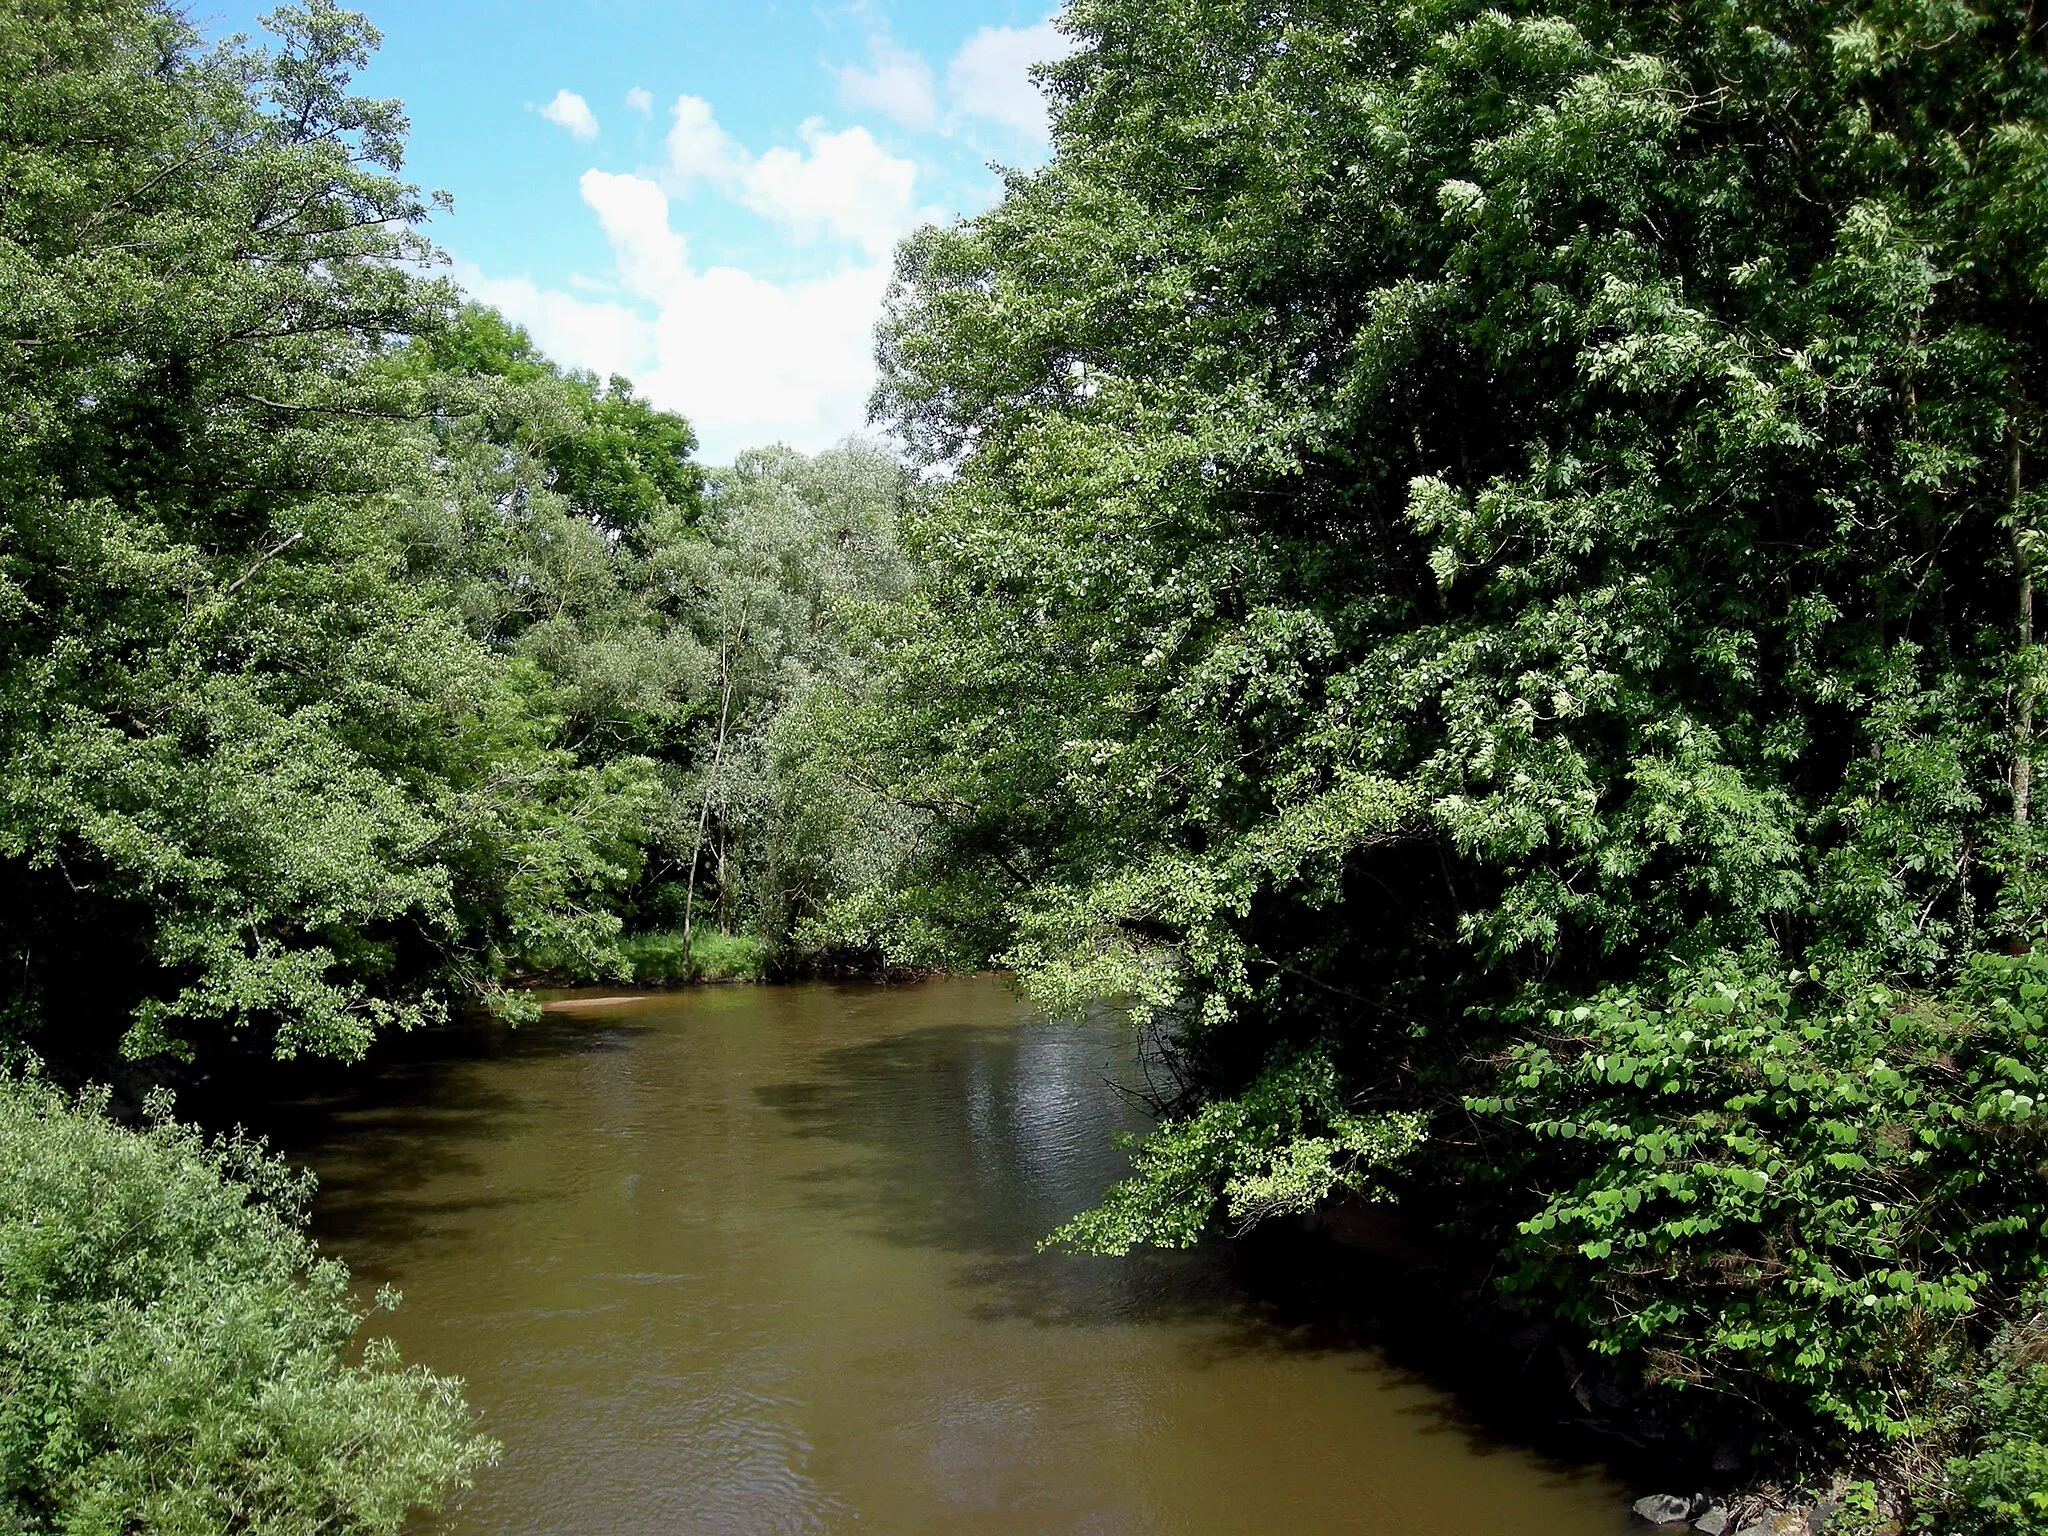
356	662
177	1358
1475	564
254	778
1487	499
1476	542
688	626
355	658
2001	1485
1797	1201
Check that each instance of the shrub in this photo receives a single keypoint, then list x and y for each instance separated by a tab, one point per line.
1999	1487
656	958
175	1352
1808	1201
728	957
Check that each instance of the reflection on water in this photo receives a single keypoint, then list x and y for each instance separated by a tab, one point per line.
753	1259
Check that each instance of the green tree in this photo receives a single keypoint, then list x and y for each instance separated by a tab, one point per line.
1444	509
561	526
258	780
1453	500
805	560
709	621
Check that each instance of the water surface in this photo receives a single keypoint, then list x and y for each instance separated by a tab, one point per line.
761	1260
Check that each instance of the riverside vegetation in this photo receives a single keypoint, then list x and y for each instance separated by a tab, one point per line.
1471	564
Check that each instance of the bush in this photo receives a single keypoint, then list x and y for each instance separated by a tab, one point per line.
728	957
1806	1201
658	958
175	1351
2000	1488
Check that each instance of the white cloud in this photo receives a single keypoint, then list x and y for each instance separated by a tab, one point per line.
698	149
990	77
751	362
605	337
988	80
639	100
846	185
897	82
841	186
651	257
748	361
570	111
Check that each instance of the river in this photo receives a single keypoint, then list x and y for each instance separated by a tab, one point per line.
761	1260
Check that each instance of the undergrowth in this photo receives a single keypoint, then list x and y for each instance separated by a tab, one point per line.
660	958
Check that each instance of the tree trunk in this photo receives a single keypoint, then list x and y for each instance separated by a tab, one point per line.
2023	712
726	645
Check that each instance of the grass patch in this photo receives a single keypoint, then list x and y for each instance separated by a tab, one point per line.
659	958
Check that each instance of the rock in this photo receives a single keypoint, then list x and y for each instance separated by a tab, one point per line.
1782	1522
1713	1522
1664	1509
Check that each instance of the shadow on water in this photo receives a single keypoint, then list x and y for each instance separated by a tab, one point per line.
412	1116
959	1159
956	1146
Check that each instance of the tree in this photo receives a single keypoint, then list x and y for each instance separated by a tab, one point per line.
258	781
803	558
708	626
1444	510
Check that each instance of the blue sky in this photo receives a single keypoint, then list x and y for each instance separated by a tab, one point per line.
704	196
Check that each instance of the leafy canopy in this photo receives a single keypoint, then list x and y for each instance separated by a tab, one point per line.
1450	515
271	769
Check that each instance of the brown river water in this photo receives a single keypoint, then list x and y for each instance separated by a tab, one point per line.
762	1260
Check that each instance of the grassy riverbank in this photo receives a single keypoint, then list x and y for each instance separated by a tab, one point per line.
664	959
